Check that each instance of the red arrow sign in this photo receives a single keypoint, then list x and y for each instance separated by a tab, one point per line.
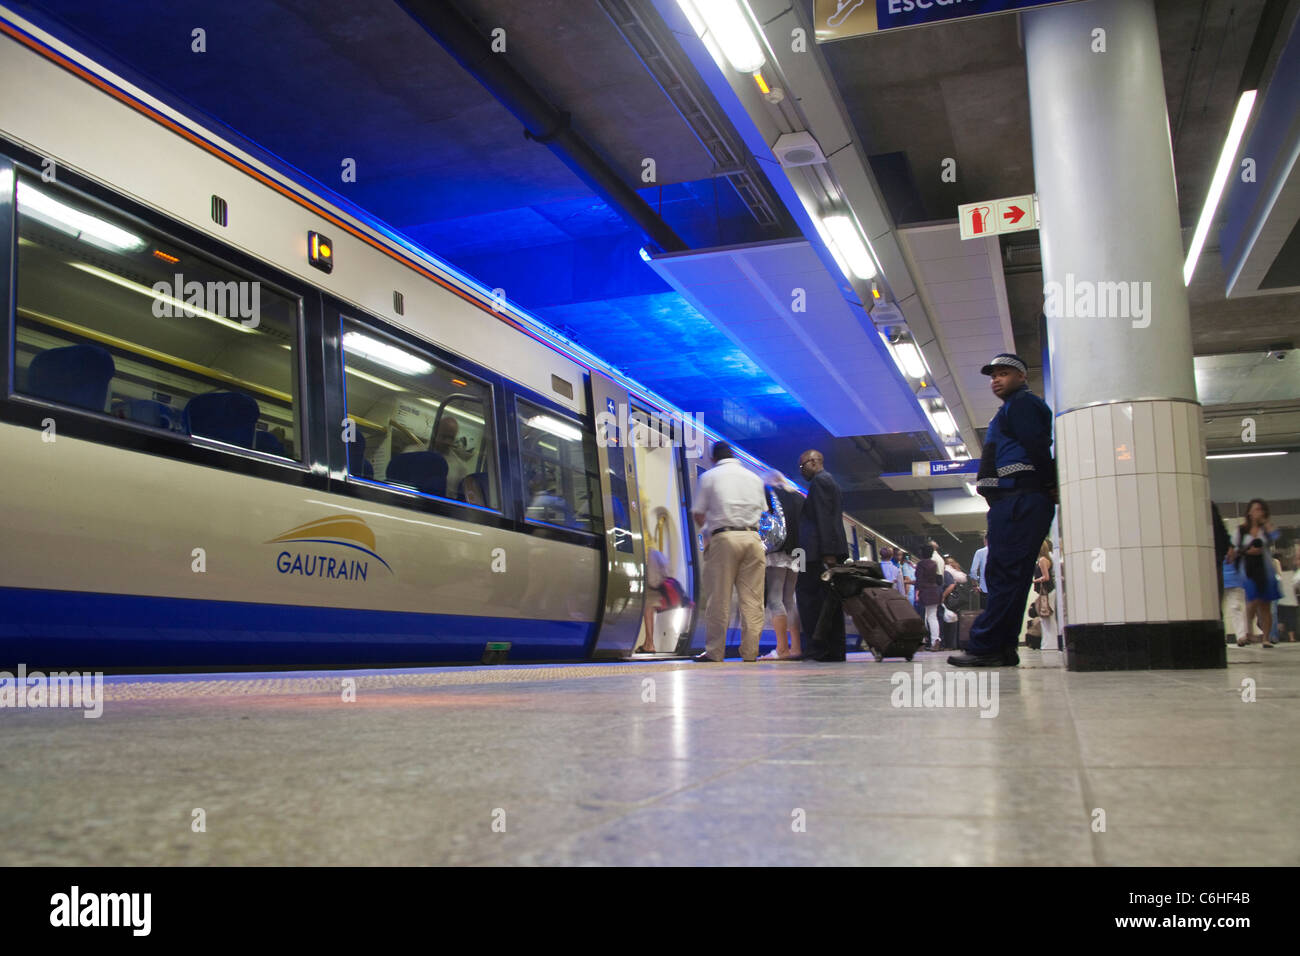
1014	213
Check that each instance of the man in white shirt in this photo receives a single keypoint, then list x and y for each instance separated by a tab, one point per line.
977	566
728	502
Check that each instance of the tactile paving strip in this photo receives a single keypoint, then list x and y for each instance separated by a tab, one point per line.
145	689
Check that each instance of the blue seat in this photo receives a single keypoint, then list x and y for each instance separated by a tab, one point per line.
148	412
230	417
265	441
424	471
74	375
357	463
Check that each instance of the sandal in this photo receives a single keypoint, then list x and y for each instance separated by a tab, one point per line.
1243	643
771	655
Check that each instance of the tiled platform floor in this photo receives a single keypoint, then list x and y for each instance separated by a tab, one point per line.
717	769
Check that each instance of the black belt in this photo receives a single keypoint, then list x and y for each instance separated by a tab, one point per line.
724	530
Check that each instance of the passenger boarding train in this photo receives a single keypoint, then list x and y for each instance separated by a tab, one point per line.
244	426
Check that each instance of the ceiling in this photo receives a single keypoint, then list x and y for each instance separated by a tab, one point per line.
443	162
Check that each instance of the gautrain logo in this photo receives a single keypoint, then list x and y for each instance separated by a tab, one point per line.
342	531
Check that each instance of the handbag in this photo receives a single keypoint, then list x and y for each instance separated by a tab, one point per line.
959	598
949	615
1043	605
771	523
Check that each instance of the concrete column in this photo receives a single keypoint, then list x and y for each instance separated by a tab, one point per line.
1137	569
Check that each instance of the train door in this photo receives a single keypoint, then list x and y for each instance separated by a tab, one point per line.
620	625
667	532
693	468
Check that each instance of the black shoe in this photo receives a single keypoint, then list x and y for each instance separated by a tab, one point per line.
704	658
967	659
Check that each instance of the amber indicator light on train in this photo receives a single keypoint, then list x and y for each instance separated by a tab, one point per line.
320	251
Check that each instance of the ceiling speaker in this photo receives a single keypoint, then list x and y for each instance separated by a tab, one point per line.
798	149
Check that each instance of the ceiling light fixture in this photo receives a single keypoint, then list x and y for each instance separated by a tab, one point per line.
44	207
908	358
556	427
850	243
1250	454
1220	180
385	354
726	21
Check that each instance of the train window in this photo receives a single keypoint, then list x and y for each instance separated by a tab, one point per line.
419	423
561	479
116	319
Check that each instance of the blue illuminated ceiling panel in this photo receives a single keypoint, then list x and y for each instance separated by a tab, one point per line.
778	303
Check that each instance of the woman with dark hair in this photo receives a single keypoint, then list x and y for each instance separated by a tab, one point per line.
929	589
1252	551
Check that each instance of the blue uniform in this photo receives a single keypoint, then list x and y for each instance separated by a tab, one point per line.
1016	475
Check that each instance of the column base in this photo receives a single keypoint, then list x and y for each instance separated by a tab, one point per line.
1145	646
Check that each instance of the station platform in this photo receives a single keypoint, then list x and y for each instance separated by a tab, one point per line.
769	763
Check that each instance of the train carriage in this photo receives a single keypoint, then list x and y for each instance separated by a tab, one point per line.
243	424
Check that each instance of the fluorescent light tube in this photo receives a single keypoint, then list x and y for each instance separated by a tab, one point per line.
909	358
39	205
944	423
384	354
848	240
176	304
556	427
731	31
1250	454
1220	180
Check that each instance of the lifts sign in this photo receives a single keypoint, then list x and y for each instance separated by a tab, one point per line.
839	19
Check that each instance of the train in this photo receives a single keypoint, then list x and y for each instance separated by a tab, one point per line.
246	425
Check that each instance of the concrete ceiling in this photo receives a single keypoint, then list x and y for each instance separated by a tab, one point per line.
960	91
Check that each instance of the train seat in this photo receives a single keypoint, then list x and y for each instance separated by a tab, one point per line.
357	454
148	412
265	441
424	471
73	375
230	417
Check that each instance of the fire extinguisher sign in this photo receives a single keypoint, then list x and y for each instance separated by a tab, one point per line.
995	216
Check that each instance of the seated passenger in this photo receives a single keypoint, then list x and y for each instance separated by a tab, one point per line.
446	443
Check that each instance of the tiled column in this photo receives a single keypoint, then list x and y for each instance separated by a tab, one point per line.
1138	585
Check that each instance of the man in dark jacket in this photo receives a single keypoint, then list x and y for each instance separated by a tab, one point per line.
1018	477
821	535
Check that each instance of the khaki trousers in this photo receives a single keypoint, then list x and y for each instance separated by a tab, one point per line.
734	559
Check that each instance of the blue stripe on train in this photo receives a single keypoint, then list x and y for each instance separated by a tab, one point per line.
80	629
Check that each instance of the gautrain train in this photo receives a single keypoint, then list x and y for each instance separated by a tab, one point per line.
242	425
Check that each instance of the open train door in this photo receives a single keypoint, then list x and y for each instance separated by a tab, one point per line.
624	580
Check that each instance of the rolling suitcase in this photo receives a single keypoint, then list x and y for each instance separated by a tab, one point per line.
887	624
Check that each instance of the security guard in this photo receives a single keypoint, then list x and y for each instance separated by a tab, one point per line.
1018	477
